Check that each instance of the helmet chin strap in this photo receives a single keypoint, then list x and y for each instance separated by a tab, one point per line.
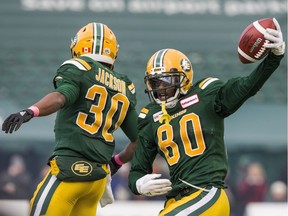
165	117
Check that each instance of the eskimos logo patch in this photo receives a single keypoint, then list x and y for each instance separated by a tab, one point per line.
81	168
185	65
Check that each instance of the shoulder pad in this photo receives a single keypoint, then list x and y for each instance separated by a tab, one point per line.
206	82
79	63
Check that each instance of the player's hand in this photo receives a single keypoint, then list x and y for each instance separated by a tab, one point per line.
148	185
14	121
114	167
275	37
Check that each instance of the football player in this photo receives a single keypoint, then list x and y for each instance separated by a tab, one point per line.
92	101
184	123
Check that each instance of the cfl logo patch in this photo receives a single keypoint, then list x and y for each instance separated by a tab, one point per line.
81	168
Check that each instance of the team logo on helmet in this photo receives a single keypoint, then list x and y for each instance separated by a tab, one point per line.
185	65
81	168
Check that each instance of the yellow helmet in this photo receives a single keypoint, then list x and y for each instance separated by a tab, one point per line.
173	68
97	41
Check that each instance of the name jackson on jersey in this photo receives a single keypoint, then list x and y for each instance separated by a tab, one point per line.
111	81
103	76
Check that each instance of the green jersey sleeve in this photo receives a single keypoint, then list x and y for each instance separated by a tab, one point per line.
130	132
144	155
67	82
237	90
131	116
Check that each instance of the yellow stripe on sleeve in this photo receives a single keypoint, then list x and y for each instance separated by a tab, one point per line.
204	81
84	63
131	87
144	110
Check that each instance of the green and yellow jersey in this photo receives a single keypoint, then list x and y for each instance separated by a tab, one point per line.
98	101
193	142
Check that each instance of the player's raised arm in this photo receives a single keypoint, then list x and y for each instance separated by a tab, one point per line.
47	105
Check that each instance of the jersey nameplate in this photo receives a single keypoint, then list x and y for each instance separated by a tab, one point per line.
189	101
111	81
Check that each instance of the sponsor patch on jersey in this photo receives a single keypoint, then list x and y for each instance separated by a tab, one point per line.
157	116
189	101
81	168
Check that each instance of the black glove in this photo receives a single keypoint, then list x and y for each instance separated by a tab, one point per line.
14	121
114	167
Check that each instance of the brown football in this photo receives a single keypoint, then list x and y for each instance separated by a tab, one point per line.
250	45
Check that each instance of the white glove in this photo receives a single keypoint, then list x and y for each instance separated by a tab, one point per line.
148	185
107	197
275	37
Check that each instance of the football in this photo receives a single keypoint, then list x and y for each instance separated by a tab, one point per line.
250	45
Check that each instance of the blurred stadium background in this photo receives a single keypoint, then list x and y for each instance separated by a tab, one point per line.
35	40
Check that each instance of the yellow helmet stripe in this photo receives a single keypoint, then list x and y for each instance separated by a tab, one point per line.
159	58
98	38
